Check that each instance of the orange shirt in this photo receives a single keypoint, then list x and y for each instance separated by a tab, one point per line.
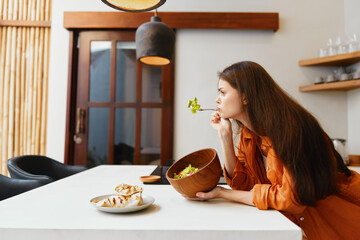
335	217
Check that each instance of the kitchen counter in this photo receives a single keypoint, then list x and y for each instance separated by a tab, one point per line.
61	210
355	168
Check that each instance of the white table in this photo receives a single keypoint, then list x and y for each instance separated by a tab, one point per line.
61	210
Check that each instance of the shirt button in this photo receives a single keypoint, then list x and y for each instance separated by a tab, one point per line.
267	169
301	218
264	147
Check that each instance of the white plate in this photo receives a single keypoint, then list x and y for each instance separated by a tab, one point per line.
147	201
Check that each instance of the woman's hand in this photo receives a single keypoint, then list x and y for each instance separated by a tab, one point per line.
223	126
239	196
214	193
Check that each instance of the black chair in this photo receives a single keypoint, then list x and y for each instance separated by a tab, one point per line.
10	187
40	168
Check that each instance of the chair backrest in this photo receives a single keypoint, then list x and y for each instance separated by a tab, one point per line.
10	187
40	168
29	167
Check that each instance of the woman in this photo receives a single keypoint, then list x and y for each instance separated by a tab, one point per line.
285	160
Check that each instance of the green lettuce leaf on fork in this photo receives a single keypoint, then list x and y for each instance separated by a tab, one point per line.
193	104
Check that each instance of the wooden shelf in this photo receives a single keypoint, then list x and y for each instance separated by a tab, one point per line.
176	20
336	60
333	86
354	160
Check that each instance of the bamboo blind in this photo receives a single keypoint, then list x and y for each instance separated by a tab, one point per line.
24	64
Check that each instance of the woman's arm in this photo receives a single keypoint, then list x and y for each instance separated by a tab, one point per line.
223	127
280	196
244	197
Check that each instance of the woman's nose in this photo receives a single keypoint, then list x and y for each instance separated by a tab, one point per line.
217	100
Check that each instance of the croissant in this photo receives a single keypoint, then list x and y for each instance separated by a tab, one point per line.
127	190
120	201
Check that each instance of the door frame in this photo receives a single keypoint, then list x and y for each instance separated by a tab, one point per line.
71	97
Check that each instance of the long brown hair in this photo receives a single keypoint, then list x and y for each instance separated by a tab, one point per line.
298	139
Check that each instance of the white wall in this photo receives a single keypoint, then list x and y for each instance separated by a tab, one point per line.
304	28
352	25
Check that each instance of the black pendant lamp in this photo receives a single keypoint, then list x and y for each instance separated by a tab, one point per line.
134	5
155	43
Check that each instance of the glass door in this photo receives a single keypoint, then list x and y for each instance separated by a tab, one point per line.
124	109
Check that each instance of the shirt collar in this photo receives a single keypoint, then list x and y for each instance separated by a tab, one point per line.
250	135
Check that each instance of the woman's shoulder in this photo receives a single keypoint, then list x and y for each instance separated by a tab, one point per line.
349	187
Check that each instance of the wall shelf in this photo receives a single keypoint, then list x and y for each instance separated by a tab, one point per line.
336	60
333	86
354	160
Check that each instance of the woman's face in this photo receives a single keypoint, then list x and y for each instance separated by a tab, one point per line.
230	103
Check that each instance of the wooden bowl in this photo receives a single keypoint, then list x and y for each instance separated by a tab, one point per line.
205	179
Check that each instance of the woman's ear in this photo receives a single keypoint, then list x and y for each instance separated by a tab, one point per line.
244	100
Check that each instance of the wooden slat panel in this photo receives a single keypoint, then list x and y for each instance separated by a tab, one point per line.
23	23
336	60
176	20
334	86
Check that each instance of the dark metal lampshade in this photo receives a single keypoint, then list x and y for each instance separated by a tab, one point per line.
155	43
134	5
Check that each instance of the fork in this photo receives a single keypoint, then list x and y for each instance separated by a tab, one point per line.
207	109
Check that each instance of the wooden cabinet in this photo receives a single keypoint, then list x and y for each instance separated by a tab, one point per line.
336	60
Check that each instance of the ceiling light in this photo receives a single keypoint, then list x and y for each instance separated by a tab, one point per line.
134	5
155	43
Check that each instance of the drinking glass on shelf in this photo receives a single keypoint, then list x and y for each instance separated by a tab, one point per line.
356	37
341	45
330	43
338	41
354	43
331	47
343	48
352	47
332	51
323	52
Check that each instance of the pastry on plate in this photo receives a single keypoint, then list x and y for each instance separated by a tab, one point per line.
120	201
127	190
